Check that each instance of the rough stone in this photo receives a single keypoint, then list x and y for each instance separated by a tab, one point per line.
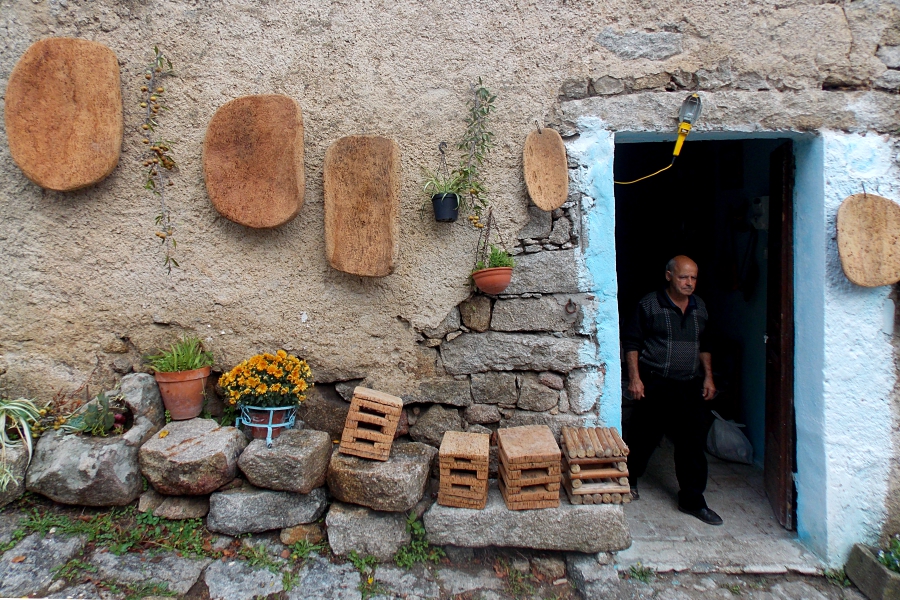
890	56
251	510
260	182
441	391
596	528
482	413
344	388
562	230
323	580
551	380
377	533
417	583
539	225
16	460
195	457
178	573
535	396
396	484
32	575
499	351
434	422
639	44
720	77
450	323
574	89
65	131
889	80
649	82
324	410
592	579
237	580
177	508
305	532
549	567
150	501
547	313
402	425
296	462
476	313
122	365
97	471
457	583
546	273
554	422
581	399
607	86
495	388
85	591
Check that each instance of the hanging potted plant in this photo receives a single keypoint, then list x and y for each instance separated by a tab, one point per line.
493	265
267	388
181	373
443	187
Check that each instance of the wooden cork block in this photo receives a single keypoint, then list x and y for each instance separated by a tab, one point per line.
63	114
553	467
362	205
546	169
868	244
457	445
253	160
528	444
532	477
476	489
371	423
460	502
463	475
529	499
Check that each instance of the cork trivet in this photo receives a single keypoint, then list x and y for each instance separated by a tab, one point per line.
382	398
546	169
530	443
868	240
473	446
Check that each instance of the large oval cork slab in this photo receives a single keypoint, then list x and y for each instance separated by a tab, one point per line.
546	169
64	113
253	160
868	237
362	202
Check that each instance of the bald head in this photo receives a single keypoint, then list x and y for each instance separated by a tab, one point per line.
681	273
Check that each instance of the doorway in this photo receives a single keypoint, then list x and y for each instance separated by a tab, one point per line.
728	205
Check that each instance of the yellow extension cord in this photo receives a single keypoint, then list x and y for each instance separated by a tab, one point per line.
669	166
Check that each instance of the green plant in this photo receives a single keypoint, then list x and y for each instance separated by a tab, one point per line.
289	580
186	354
890	557
476	143
96	419
368	587
518	584
267	381
258	556
17	536
302	549
16	419
72	570
418	550
837	577
734	588
158	160
640	572
497	258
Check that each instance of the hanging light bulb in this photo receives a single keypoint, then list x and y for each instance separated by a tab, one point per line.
687	116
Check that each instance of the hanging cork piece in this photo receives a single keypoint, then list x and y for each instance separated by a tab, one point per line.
371	423
253	160
546	169
868	237
64	113
362	203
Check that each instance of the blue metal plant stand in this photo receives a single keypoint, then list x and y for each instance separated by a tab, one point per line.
247	419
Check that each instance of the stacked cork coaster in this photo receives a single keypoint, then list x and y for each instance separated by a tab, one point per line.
595	467
371	423
529	467
464	469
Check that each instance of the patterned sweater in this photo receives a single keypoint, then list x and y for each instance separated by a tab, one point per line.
668	342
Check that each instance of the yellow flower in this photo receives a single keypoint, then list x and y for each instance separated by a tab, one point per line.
261	388
282	354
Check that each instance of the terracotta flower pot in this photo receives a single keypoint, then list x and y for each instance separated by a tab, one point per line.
182	392
493	281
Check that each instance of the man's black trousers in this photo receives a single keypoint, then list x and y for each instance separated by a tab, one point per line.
677	409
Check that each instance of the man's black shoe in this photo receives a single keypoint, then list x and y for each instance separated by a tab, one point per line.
707	515
635	495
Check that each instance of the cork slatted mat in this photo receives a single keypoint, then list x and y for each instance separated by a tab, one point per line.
868	237
362	205
63	113
546	169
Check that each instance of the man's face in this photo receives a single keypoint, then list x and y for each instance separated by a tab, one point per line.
683	278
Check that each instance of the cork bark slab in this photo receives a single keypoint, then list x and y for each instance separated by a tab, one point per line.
528	444
362	202
546	169
458	444
868	236
253	160
63	115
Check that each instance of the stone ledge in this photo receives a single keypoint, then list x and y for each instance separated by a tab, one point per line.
597	528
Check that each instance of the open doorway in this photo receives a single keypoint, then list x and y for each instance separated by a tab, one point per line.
727	204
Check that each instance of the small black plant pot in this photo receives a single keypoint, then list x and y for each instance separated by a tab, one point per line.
446	207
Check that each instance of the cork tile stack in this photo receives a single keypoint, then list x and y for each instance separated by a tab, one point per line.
464	469
371	423
529	467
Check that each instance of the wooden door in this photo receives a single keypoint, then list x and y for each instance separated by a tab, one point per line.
780	429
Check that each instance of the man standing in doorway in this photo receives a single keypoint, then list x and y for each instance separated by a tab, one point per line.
670	378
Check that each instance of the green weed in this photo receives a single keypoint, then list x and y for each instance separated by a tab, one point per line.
368	587
289	580
258	556
837	577
302	549
734	588
518	584
418	550
73	570
17	536
641	573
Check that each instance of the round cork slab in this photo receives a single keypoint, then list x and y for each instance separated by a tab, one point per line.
868	237
253	160
63	115
546	169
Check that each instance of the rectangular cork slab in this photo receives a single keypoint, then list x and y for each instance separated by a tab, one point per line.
477	490
552	467
382	398
462	463
463	475
515	502
528	444
362	205
526	494
472	446
458	502
532	477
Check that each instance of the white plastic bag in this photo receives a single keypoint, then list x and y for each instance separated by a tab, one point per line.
726	441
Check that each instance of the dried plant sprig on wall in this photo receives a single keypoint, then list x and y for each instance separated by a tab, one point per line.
158	160
476	143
